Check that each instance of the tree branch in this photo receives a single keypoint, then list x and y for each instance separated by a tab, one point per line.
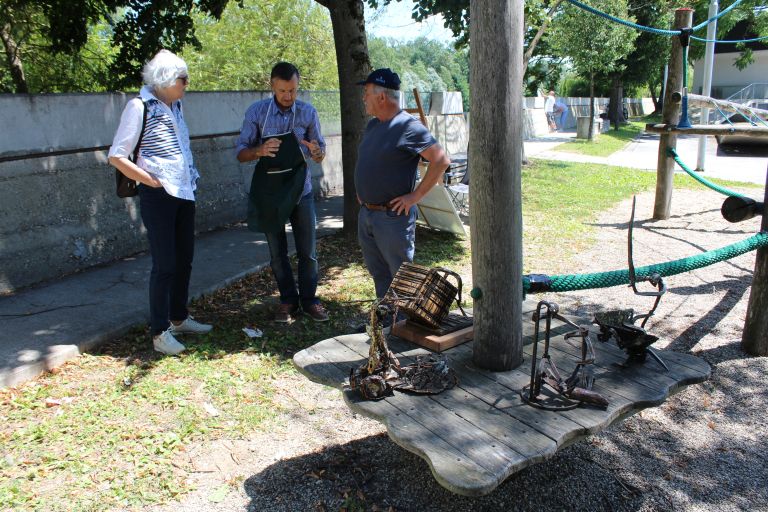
539	33
13	61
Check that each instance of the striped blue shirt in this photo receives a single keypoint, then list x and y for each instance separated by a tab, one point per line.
165	151
265	118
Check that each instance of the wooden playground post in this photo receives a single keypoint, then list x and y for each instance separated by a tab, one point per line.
496	222
754	337
670	113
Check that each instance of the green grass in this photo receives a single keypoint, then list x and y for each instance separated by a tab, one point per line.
606	144
127	416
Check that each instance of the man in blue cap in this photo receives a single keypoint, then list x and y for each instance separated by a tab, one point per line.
385	177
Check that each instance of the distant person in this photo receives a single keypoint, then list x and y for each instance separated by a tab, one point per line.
385	177
285	194
549	111
560	111
167	180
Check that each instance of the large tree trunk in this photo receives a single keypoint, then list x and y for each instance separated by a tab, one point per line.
13	60
616	103
348	21
654	98
496	44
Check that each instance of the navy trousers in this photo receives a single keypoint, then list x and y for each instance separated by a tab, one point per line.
387	240
170	224
303	223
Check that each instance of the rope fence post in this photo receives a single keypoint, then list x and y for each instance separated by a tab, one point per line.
665	166
754	337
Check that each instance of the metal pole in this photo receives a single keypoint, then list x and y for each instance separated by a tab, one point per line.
709	60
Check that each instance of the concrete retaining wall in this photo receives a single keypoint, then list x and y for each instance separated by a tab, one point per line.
535	122
60	214
57	201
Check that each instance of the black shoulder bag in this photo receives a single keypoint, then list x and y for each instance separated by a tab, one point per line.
126	187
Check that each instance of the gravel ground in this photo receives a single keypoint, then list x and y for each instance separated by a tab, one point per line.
701	450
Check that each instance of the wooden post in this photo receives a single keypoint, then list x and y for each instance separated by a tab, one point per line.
496	36
670	114
754	337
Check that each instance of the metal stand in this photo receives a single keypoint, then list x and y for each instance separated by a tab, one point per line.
620	324
568	393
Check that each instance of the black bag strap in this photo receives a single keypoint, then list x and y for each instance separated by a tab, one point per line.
141	134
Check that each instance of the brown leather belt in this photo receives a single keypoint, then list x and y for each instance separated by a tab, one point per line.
377	207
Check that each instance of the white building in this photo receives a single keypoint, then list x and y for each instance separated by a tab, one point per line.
727	79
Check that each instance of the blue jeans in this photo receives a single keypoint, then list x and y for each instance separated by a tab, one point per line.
387	240
303	220
170	224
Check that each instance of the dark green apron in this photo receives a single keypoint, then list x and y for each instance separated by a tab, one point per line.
276	186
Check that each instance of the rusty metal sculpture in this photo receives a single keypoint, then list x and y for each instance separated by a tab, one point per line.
382	374
577	388
619	325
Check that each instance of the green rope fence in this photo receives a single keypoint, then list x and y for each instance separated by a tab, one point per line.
717	188
564	283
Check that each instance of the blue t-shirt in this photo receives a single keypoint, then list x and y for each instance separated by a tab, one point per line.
388	157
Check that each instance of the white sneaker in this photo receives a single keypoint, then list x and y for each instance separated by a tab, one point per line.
190	326
167	344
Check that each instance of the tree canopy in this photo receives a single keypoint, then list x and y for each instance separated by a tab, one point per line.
593	45
41	29
423	64
237	51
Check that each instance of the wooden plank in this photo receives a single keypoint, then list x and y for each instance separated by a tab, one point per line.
503	427
650	374
590	419
424	338
709	129
608	355
484	416
507	400
519	444
317	368
446	428
450	467
483	449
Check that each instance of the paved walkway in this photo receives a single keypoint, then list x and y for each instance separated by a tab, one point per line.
733	164
43	326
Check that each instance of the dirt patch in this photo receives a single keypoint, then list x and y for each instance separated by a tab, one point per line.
704	449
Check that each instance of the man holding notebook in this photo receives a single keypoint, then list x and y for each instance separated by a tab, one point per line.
280	133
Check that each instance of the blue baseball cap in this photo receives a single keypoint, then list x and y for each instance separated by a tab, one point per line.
383	77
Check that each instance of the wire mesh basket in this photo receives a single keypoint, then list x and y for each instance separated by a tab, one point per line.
425	294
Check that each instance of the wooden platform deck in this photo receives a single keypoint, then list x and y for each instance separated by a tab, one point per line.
476	435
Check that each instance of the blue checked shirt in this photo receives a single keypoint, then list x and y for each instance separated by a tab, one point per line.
264	118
